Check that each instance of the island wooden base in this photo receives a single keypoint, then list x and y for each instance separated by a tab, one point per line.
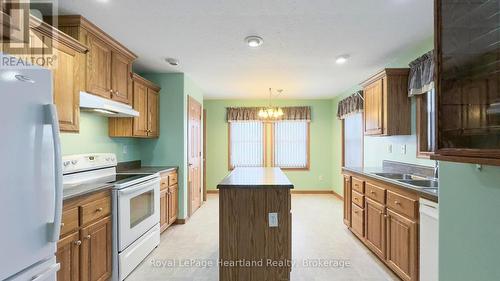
248	248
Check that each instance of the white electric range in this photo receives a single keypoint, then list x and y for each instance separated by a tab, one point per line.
136	205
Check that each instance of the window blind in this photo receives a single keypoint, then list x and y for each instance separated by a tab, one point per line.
291	144
246	144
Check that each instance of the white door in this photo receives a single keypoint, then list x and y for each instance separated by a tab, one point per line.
27	173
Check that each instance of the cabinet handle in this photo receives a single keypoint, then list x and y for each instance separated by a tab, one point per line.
356	199
87	237
99	209
62	224
397	202
78	243
355	212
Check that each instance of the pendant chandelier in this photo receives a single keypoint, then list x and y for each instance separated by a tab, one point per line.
271	112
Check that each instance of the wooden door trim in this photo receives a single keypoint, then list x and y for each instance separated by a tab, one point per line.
204	152
189	193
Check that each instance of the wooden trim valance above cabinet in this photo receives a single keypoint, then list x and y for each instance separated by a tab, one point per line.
387	109
108	63
146	102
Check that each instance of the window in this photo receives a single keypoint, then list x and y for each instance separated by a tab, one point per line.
246	144
426	124
291	145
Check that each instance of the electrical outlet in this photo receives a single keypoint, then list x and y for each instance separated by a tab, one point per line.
389	148
124	149
273	219
403	149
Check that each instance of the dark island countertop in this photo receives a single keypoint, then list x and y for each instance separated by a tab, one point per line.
256	178
427	193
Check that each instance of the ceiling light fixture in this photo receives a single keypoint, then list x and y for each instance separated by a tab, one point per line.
342	59
271	113
254	41
172	61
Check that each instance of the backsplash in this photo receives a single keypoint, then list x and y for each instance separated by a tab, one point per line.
93	137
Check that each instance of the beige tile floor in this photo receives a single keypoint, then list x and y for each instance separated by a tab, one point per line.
318	233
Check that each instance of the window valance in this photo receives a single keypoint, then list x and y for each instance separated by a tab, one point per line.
350	105
421	77
252	113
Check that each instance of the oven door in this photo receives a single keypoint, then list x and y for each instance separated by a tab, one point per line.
138	211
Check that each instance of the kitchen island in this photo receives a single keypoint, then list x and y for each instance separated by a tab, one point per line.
255	225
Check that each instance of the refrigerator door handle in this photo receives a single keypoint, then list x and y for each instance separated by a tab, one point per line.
55	226
49	272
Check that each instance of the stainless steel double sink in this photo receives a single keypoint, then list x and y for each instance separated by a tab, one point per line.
416	181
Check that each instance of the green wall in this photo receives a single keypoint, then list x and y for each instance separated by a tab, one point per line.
93	137
317	178
171	147
469	222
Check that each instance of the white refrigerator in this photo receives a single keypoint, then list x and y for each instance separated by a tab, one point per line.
30	174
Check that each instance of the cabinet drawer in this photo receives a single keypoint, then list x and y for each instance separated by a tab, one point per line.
403	205
69	221
358	199
164	182
357	220
358	185
172	179
375	192
95	210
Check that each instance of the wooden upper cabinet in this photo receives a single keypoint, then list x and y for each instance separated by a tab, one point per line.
373	108
98	67
387	106
145	97
140	123
467	81
107	66
121	68
153	115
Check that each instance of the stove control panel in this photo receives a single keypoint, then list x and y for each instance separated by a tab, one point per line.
84	162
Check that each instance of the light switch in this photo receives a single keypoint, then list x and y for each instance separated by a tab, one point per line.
273	219
403	149
389	148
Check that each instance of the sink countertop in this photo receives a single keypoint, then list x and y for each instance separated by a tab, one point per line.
428	193
256	178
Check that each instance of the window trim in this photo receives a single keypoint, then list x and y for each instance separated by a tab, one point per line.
308	149
264	136
421	126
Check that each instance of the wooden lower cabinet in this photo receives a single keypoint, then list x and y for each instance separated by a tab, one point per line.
168	200
375	227
387	225
402	244
96	251
172	204
84	249
164	219
347	200
68	255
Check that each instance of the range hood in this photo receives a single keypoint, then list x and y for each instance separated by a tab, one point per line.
102	106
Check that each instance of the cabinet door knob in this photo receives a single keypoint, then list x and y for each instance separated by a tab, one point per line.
397	202
99	209
372	192
62	224
78	243
87	237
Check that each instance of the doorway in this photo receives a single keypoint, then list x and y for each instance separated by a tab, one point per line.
194	155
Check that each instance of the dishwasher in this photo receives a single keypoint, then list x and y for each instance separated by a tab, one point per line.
429	240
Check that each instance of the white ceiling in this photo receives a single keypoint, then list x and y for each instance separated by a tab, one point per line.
302	38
